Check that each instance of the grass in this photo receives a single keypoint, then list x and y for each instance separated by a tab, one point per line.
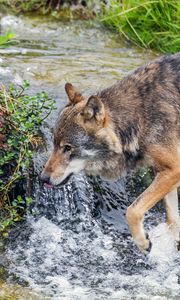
21	116
149	24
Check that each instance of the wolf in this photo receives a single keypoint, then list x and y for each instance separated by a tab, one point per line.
134	122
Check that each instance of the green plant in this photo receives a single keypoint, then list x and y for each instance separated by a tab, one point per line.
150	24
6	39
38	5
21	116
24	5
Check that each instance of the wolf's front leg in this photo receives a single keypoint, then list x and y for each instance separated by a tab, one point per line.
162	184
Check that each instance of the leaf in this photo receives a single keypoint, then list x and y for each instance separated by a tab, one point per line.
5	39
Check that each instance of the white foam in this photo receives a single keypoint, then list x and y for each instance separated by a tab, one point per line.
10	22
4	71
18	79
163	245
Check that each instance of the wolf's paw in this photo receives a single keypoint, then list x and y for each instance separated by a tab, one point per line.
144	245
178	246
177	241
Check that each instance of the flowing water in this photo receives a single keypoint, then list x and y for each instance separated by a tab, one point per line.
74	244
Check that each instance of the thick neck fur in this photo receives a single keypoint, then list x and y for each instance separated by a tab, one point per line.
124	114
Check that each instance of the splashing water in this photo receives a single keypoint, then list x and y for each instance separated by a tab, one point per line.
71	250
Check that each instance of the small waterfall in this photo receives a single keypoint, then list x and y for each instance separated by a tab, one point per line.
74	244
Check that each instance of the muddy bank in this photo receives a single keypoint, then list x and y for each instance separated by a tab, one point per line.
76	9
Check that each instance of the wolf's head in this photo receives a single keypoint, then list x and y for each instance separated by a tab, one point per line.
84	139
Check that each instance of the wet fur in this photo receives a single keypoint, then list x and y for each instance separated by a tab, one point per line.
135	121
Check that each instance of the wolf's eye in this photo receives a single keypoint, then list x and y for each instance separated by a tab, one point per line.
67	148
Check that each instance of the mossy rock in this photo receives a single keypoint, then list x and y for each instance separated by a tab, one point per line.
16	292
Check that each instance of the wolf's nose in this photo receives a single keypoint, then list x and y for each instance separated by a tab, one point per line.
45	178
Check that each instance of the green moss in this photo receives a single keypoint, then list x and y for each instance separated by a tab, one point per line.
149	24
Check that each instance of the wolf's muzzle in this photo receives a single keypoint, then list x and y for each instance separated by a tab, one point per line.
45	178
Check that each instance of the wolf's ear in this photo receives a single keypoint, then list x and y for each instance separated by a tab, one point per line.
73	94
94	109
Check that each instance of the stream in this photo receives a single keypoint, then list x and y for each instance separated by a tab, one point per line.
74	243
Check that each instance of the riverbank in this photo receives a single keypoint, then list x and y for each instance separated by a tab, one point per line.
147	24
71	9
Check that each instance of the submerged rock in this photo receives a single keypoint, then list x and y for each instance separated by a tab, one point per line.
17	292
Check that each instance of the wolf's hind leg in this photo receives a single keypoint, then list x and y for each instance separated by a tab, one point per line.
172	214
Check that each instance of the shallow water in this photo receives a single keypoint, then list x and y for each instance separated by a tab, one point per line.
75	243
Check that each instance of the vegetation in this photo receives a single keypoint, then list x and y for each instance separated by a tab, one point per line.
21	116
6	40
151	24
84	9
32	5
